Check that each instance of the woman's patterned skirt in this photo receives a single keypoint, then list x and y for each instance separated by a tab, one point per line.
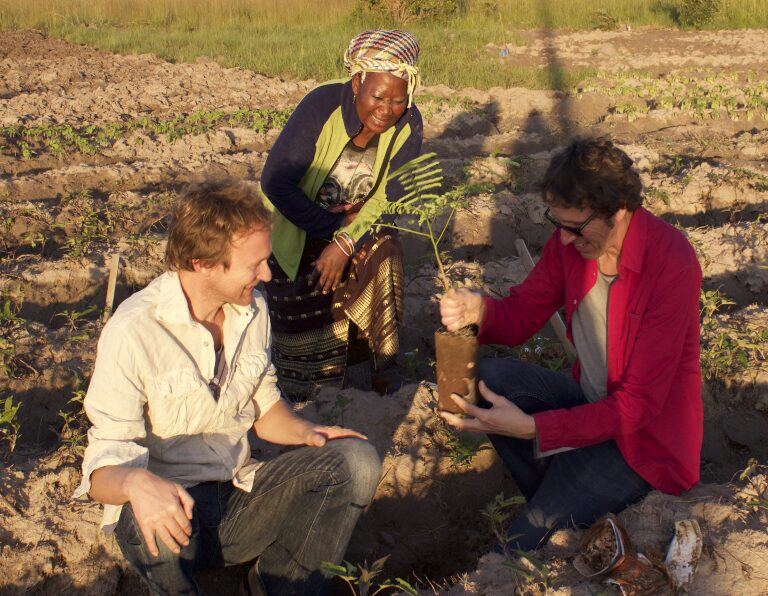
312	332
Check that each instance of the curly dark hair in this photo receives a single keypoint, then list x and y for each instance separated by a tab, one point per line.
593	173
207	216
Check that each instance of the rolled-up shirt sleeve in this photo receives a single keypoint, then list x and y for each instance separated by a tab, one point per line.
115	405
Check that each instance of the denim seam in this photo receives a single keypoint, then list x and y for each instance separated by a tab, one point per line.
300	551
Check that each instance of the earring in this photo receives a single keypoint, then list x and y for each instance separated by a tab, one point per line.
354	98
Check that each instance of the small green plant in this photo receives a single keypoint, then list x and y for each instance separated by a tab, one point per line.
60	140
464	446
755	476
411	363
336	414
726	348
93	223
360	578
531	570
525	565
9	423
498	512
73	318
697	13
405	11
73	432
10	325
660	194
605	20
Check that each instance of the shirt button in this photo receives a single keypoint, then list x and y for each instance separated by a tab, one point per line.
574	300
205	343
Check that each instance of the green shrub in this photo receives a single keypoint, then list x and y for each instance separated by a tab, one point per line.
697	13
405	11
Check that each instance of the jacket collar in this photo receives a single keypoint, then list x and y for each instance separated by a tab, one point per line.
633	248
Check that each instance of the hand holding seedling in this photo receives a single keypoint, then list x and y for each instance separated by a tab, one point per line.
502	418
460	308
163	510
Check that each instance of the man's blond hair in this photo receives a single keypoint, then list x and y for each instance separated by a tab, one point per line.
207	216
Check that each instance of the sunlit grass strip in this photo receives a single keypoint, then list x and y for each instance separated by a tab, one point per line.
302	39
514	14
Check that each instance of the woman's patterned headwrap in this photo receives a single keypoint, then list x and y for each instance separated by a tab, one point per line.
382	50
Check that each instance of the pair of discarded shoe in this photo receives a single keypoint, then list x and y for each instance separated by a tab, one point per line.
607	553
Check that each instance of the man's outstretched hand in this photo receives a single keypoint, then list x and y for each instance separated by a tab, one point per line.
502	418
318	435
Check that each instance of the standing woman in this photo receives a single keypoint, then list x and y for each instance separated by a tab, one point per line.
334	283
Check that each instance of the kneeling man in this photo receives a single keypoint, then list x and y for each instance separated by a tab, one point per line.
631	417
182	373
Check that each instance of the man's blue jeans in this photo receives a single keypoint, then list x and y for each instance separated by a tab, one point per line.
301	512
573	487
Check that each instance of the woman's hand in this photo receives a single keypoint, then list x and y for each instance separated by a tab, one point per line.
503	418
329	268
462	307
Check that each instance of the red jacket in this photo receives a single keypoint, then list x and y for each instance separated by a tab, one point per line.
653	409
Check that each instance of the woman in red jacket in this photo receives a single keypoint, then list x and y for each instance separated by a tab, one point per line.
631	417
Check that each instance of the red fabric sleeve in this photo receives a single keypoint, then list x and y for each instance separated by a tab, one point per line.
513	320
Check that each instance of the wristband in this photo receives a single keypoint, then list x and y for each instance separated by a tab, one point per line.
349	241
336	240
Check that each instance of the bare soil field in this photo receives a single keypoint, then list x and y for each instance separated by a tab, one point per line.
93	147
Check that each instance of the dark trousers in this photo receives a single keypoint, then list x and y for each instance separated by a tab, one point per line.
569	488
300	512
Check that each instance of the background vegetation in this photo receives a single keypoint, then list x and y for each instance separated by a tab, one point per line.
305	39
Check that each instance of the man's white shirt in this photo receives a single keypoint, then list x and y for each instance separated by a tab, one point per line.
149	399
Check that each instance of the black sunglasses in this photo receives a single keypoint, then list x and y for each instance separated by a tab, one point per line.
575	230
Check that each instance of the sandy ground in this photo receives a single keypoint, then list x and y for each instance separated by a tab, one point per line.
695	125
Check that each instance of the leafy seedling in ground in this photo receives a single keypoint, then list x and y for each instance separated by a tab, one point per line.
360	578
335	416
464	446
727	346
10	325
755	476
9	423
527	567
73	432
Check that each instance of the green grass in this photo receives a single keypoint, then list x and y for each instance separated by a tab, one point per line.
303	39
